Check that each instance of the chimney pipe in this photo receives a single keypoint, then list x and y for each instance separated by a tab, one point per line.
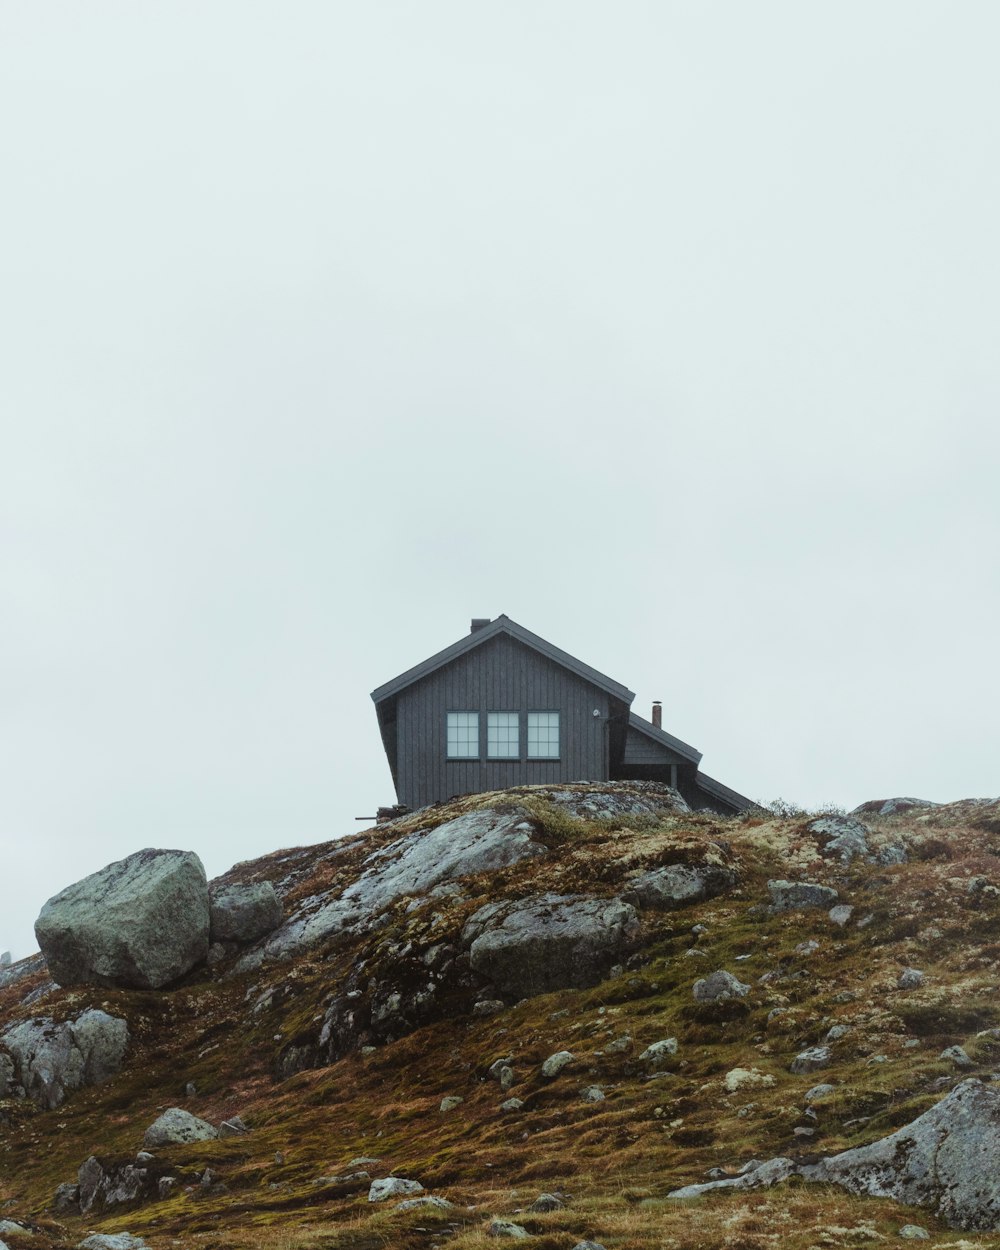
657	714
478	622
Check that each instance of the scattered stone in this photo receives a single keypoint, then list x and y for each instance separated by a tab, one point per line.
914	1232
512	1104
910	979
811	1060
619	1045
549	941
798	895
505	1228
719	987
588	1245
841	837
818	1091
546	1202
488	1007
957	1056
744	1078
233	1127
841	914
555	1063
118	1184
66	1200
428	1200
593	1093
165	1186
392	1187
835	1033
243	913
809	947
139	923
451	1102
658	1053
678	885
111	1241
177	1125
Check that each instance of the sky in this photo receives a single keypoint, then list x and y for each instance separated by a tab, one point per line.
668	329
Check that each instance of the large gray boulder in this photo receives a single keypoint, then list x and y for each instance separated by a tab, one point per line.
677	885
51	1060
798	895
549	942
177	1125
139	923
945	1160
243	913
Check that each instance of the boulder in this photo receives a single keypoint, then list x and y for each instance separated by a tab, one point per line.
944	1160
485	840
506	1228
392	1187
549	941
797	895
676	885
139	923
657	1053
910	979
51	1060
243	913
103	1186
555	1063
841	837
811	1060
719	987
111	1241
177	1125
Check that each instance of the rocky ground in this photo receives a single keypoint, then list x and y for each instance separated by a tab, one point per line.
564	1015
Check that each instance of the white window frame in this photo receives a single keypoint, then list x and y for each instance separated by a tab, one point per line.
458	727
539	748
500	744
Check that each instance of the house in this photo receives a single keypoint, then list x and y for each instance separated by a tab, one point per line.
502	707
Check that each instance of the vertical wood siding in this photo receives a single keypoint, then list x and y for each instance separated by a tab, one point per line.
502	675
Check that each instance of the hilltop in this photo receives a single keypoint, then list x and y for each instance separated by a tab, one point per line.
511	1001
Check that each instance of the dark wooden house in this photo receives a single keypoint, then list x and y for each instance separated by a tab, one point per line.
502	707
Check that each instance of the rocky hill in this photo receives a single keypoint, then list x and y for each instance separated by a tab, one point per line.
569	1015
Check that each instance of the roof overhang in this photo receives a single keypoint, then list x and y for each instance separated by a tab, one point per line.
663	739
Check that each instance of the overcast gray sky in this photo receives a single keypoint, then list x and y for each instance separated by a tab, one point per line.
669	329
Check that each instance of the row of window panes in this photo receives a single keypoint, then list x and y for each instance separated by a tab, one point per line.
503	735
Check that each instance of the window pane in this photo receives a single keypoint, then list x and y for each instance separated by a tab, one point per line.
543	735
463	735
503	735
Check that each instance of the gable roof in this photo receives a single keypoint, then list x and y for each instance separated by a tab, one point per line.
663	739
718	791
503	625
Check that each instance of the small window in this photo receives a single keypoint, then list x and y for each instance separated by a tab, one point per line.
463	735
543	735
503	735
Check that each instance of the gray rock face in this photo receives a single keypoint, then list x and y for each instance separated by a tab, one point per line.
243	913
112	1241
139	923
117	1185
811	1060
177	1125
392	1187
481	841
20	971
945	1160
795	895
676	885
549	942
51	1060
719	987
841	836
610	804
887	807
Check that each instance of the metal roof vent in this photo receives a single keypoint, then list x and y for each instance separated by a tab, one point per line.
479	622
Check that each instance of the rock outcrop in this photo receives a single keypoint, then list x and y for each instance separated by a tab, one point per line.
243	913
140	923
177	1125
677	885
549	942
49	1060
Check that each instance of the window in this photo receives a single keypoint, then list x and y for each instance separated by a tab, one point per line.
543	735
463	735
503	735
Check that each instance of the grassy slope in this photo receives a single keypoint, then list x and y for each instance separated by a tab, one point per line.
615	1159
